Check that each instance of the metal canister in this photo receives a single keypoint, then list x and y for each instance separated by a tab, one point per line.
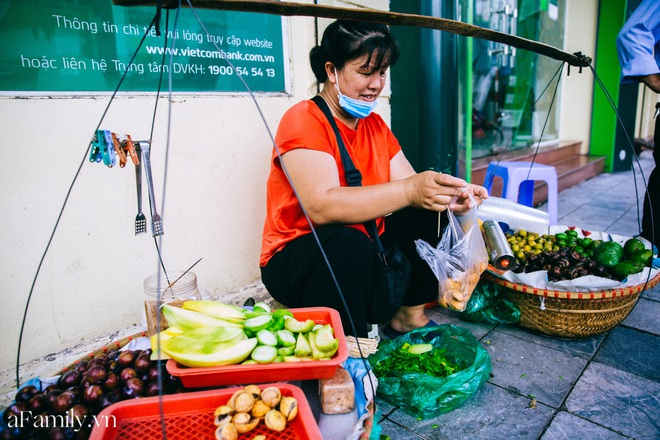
500	253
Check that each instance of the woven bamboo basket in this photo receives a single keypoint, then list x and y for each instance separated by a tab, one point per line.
570	314
114	345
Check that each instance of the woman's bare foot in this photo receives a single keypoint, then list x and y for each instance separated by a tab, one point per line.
409	318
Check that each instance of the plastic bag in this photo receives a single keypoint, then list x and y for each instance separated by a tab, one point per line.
458	261
423	395
487	305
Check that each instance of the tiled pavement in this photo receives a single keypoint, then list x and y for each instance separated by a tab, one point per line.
601	387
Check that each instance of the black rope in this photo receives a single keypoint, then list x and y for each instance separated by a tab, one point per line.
631	149
295	191
66	199
524	117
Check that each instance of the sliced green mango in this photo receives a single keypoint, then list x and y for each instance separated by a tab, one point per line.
330	352
420	348
286	338
258	322
278	324
264	354
292	324
213	334
261	306
316	353
282	313
157	354
325	338
286	351
217	310
184	345
185	319
208	354
254	313
173	331
266	337
297	358
302	346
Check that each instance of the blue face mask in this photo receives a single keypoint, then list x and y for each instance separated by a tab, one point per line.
354	107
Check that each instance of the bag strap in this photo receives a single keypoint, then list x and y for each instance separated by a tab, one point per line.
353	175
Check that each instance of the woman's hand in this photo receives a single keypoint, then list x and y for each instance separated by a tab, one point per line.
472	196
434	191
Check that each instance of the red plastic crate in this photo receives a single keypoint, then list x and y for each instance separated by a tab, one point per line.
201	377
190	416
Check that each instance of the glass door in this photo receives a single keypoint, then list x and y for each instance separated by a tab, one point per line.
510	100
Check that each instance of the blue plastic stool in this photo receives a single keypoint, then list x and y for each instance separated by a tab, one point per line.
518	183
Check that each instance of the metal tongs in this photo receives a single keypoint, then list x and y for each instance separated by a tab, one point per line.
156	221
140	219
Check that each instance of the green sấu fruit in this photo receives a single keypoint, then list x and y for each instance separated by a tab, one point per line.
621	270
633	245
644	256
608	253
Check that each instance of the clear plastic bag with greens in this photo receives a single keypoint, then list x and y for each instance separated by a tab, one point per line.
431	370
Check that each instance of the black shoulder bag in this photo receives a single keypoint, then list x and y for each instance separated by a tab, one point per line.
391	288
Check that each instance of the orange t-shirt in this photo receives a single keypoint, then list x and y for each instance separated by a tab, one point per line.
304	125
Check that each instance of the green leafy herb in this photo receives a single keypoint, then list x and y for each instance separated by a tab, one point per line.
434	362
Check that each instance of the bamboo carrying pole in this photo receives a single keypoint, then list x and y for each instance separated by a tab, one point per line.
390	18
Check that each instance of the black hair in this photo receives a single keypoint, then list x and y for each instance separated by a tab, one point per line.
345	40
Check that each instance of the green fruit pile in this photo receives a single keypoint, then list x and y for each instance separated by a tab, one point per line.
567	256
524	243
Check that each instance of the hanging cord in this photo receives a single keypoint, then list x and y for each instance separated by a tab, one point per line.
525	116
159	364
547	118
630	147
639	165
159	8
629	141
295	191
66	199
153	124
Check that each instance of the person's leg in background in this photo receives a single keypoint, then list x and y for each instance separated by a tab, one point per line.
651	218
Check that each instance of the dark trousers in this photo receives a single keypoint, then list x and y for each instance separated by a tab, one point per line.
298	275
651	218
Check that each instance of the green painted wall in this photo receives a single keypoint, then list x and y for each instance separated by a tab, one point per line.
611	16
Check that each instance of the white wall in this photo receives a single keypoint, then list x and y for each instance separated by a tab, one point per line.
576	93
90	283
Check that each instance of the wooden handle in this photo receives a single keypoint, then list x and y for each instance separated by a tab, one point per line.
385	17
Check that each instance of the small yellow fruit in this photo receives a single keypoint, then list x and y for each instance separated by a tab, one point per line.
275	420
244	402
271	396
226	432
289	407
